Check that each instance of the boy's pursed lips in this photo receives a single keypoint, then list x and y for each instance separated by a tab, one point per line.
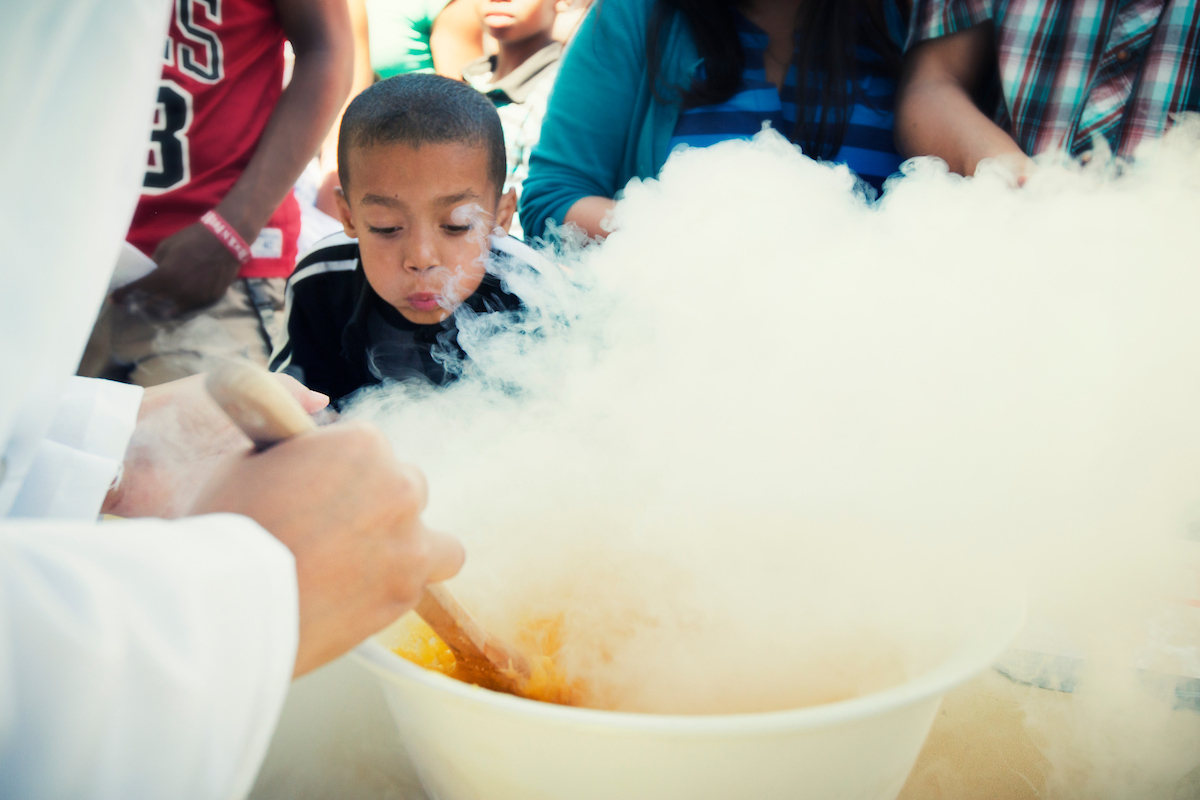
424	301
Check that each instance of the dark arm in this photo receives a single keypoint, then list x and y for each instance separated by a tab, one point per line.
320	33
194	268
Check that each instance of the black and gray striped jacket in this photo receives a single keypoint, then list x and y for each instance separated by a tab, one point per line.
341	336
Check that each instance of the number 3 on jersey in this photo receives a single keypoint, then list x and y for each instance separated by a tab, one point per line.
167	165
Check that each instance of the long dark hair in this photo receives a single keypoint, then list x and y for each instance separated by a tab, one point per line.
829	31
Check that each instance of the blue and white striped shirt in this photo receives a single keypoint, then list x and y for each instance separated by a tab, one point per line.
867	147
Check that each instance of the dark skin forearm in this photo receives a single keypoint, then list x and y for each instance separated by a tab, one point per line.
194	268
935	112
320	33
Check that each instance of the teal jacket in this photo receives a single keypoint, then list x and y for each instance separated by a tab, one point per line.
604	125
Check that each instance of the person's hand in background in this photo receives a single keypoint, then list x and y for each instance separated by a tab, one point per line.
936	113
195	269
1016	168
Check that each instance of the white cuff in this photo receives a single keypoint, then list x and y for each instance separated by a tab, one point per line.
76	463
97	417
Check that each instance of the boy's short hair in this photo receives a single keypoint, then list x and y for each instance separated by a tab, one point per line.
417	109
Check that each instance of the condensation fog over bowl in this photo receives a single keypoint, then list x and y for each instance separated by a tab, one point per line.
469	743
769	423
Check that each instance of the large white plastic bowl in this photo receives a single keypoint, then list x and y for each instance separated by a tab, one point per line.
469	743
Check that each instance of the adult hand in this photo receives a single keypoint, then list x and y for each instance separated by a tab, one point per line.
194	270
350	513
182	435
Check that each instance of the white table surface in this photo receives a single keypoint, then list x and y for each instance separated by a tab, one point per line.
336	741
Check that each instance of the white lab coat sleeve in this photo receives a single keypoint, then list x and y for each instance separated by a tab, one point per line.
80	457
141	659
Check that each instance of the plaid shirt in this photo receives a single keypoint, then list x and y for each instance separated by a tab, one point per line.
1071	70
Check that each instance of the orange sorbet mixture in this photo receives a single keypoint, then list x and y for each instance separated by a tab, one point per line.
540	641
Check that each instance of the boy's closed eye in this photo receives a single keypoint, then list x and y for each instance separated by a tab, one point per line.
384	231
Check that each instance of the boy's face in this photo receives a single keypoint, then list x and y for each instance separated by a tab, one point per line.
517	20
422	216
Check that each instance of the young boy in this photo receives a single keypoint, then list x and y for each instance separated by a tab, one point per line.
421	163
519	77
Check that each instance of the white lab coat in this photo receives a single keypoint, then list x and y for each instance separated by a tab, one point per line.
137	659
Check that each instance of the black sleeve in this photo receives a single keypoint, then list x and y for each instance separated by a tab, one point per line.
312	351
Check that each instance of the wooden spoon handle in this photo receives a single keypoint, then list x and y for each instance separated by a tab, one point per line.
469	642
265	411
257	403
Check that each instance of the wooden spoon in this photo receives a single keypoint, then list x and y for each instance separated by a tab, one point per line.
268	414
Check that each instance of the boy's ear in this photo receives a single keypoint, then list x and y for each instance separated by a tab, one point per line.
343	206
506	209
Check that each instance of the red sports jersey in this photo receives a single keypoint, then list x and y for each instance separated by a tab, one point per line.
222	76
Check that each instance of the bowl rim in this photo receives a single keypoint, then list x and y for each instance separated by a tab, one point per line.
979	649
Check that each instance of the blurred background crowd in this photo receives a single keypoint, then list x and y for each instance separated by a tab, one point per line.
244	140
246	126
